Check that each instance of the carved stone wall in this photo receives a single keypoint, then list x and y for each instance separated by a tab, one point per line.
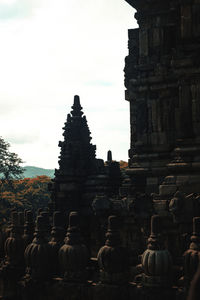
162	76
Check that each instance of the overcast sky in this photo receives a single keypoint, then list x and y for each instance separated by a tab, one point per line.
52	50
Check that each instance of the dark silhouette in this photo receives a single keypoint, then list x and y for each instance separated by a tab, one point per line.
133	234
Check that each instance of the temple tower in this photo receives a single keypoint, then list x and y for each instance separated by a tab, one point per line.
76	161
77	155
162	78
81	177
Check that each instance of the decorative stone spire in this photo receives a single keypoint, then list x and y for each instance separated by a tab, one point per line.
14	249
109	156
156	260
112	235
57	240
112	258
73	255
47	226
12	267
37	254
191	256
57	232
77	153
114	175
28	228
76	162
76	108
154	241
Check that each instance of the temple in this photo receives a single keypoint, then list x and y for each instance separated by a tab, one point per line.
162	86
113	234
81	176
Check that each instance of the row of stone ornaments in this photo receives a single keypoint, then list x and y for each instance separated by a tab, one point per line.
69	258
42	258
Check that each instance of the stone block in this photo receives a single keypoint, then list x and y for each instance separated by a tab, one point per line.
156	37
165	190
186	22
67	186
194	179
61	195
110	292
152	181
154	136
161	207
143	42
182	180
195	19
170	180
196	165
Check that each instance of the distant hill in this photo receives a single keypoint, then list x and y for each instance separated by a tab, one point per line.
31	171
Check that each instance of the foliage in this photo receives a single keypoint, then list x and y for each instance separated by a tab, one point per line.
27	193
123	164
9	162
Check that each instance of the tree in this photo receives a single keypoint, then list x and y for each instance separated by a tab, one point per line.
9	163
27	193
123	164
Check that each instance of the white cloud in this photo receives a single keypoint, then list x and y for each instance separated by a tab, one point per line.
7	2
61	49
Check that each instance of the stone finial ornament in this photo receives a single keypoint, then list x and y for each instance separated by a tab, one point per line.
192	255
37	254
73	255
47	226
114	175
112	258
14	243
109	156
156	260
28	228
12	267
57	232
57	240
76	107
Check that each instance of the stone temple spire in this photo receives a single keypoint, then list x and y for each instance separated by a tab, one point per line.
77	154
76	112
76	161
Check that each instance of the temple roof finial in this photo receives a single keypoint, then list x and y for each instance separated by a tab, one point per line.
76	108
109	156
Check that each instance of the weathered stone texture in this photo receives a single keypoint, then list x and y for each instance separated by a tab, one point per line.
162	81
